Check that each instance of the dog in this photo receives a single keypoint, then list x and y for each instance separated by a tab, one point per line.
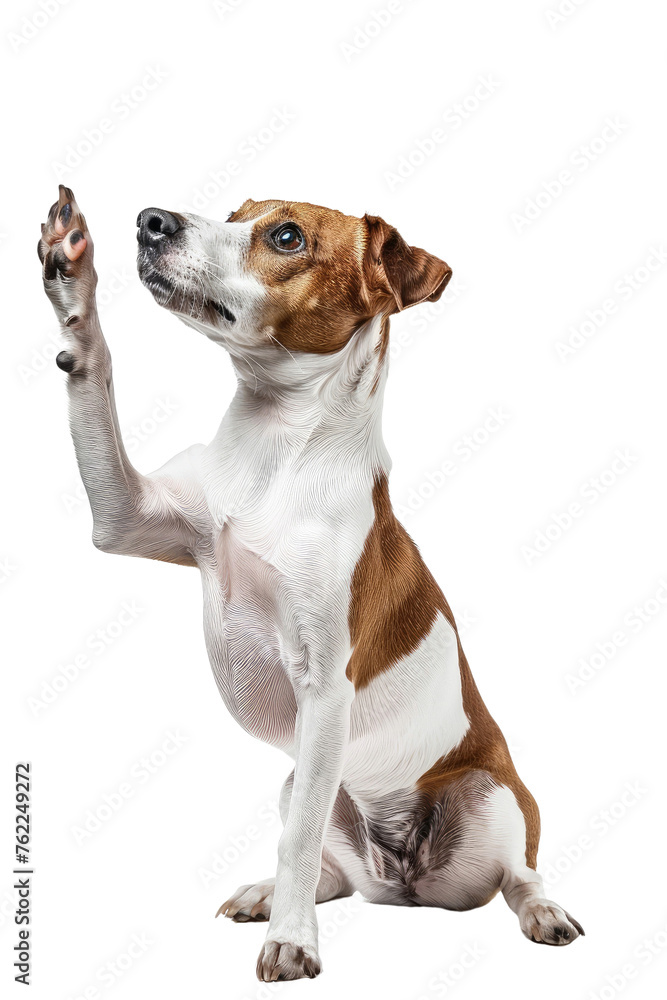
327	635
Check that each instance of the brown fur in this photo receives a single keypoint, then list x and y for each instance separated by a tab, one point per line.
483	748
344	276
394	603
413	275
394	597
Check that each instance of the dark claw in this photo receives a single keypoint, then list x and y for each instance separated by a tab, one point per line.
576	923
65	361
75	236
66	214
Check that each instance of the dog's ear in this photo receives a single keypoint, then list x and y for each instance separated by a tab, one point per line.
411	275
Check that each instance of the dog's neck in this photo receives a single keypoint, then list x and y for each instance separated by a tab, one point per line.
290	399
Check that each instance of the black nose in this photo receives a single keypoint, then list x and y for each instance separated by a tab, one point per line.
155	225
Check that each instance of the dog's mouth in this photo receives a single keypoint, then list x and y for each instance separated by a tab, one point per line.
172	296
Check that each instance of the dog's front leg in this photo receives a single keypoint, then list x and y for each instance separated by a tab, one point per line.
133	514
322	727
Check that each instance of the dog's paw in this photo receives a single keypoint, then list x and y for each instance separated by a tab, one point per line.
279	960
250	902
66	252
547	923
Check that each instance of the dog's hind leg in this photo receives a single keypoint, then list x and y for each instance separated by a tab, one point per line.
475	846
541	919
253	902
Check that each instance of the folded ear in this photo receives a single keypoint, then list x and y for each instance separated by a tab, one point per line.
411	274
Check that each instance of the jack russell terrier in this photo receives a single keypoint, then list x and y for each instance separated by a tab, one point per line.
327	634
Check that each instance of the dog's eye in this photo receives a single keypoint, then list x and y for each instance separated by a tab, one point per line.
288	238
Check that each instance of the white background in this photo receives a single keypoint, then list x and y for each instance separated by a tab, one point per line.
360	99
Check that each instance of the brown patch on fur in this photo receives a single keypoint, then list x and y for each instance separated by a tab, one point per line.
345	275
394	603
395	599
483	748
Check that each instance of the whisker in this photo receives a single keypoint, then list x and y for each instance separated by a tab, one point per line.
247	361
289	352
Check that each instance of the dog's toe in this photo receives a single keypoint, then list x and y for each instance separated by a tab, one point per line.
67	269
547	923
65	227
282	960
250	903
74	244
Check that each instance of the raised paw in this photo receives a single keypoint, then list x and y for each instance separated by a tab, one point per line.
249	903
279	960
547	923
66	252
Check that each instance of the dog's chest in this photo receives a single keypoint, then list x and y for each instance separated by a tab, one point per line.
244	638
285	538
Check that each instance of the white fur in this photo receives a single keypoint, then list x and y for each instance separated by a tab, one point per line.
406	718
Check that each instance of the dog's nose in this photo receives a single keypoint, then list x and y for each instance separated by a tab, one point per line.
154	225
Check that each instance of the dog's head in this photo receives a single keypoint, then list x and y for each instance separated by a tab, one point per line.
282	272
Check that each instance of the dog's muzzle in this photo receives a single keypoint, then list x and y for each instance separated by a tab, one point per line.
157	231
